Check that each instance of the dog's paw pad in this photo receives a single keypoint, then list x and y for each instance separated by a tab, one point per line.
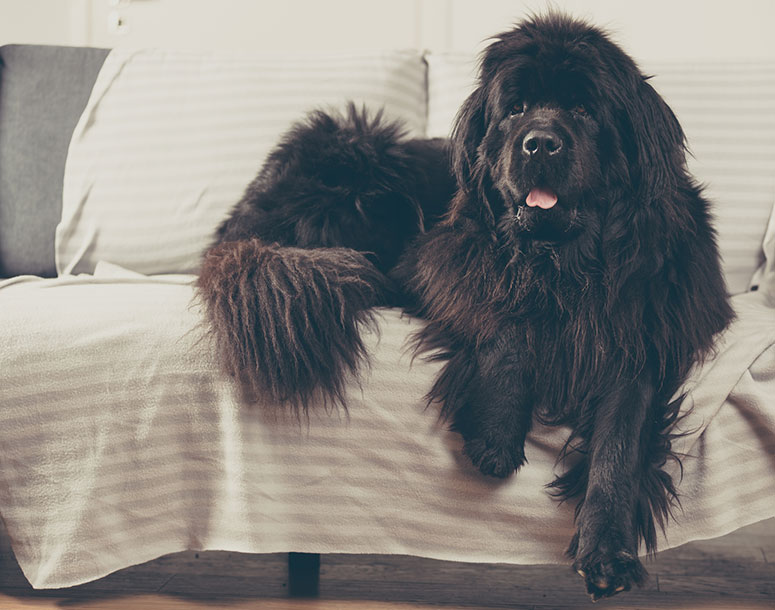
608	574
492	459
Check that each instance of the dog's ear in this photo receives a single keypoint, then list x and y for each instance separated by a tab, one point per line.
467	134
652	139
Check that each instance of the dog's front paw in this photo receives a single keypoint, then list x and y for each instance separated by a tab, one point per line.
494	459
607	573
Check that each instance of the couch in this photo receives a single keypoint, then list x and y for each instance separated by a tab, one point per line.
120	438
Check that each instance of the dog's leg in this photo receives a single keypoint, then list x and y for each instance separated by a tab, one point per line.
496	415
605	546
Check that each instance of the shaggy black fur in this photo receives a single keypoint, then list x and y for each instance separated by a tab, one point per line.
302	258
574	279
586	308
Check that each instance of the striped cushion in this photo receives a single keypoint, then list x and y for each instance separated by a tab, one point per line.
168	142
728	113
451	78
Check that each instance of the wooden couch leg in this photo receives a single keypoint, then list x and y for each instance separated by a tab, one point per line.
303	574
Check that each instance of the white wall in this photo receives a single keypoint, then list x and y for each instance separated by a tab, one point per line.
282	25
653	30
648	29
63	22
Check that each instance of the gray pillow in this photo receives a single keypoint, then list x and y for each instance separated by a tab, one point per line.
43	91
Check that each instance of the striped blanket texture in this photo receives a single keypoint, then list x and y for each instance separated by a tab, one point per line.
120	441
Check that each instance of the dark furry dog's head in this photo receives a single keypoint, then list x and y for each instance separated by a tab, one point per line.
561	121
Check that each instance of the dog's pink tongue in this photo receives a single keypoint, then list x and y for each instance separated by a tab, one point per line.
542	198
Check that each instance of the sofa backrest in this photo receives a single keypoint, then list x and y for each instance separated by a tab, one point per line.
43	91
727	110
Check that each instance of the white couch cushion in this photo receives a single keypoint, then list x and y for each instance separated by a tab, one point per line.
728	113
168	141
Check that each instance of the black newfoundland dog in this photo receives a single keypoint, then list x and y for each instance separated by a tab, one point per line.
557	247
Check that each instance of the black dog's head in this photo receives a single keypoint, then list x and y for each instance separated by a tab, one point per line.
561	122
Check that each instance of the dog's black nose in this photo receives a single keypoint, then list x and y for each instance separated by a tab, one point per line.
538	140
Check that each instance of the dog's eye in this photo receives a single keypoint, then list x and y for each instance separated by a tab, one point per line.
518	109
580	110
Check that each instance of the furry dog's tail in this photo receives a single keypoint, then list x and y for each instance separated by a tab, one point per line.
286	320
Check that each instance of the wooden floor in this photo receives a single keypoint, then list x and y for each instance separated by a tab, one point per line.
733	572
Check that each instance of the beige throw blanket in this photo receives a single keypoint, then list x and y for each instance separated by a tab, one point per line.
120	441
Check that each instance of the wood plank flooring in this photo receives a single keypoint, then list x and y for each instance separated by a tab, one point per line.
732	573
